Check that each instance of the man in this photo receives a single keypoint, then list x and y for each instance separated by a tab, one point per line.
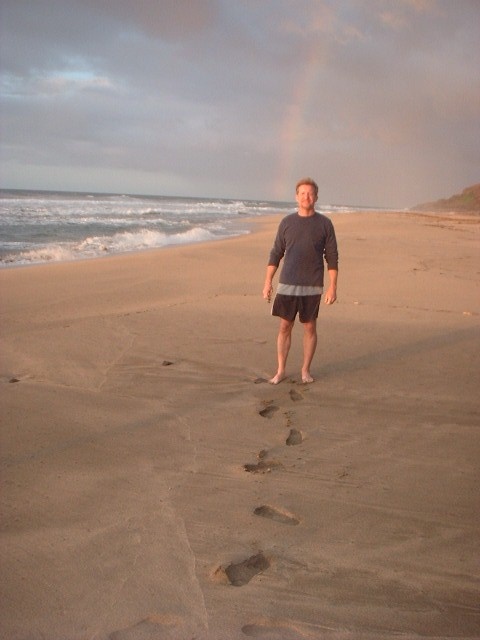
305	239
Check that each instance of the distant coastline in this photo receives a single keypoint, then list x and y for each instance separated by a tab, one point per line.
468	201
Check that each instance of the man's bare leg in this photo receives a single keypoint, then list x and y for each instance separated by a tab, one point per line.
284	340
309	347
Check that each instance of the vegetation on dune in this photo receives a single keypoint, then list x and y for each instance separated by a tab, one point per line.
467	201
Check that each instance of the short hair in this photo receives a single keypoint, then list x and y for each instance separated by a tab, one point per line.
308	181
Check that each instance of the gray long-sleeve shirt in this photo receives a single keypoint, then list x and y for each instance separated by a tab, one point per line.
305	242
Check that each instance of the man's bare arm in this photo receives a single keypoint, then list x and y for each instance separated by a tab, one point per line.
331	294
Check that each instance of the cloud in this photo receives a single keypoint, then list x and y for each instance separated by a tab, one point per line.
380	99
168	19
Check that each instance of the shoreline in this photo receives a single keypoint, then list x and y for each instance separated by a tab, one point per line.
253	221
154	486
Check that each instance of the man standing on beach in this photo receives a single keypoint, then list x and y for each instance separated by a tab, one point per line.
305	238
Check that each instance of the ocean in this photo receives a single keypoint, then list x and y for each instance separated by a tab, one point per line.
51	226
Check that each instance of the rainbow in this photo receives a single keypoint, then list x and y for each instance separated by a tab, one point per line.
293	128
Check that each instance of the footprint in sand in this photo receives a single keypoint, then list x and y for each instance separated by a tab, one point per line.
263	466
265	511
294	437
241	573
269	410
295	396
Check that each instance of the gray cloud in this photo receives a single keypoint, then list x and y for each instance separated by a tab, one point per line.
379	100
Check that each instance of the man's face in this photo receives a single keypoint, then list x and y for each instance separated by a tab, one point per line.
306	197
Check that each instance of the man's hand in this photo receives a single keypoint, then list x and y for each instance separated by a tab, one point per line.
267	291
331	295
268	286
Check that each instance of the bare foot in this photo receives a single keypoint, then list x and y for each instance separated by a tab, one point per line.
277	378
307	378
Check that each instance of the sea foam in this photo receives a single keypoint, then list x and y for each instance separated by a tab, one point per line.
43	226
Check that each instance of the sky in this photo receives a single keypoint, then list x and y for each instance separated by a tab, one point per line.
377	100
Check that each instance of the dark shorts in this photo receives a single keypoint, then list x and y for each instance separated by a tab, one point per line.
287	307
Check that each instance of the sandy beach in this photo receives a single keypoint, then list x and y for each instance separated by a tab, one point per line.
154	486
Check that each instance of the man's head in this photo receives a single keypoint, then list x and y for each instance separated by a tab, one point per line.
307	181
307	195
